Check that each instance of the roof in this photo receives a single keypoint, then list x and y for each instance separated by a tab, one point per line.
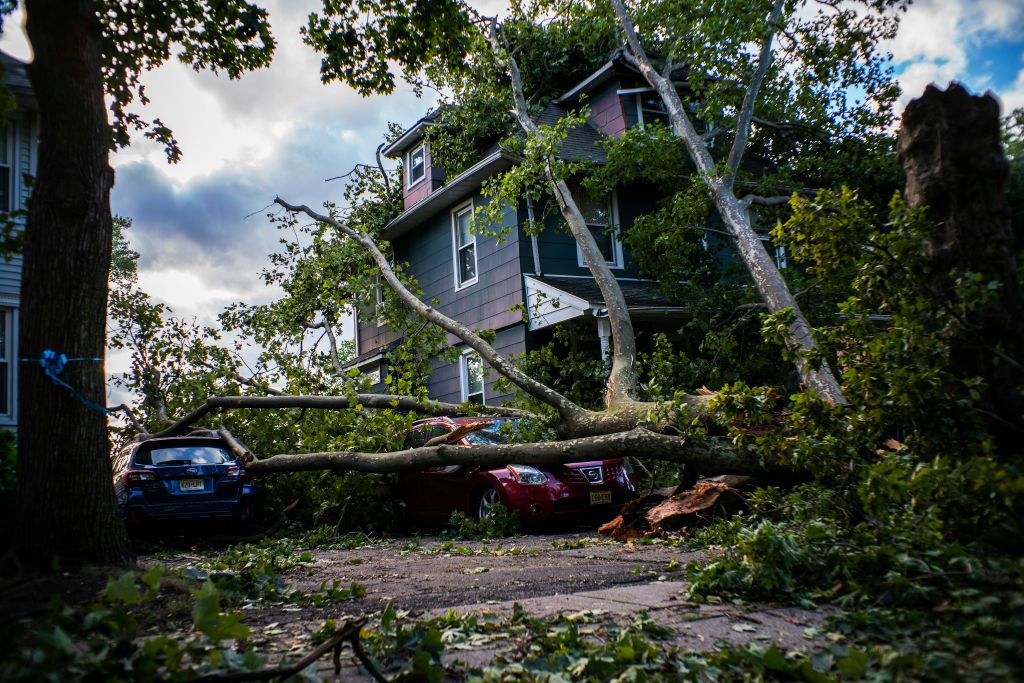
639	294
463	185
581	142
619	63
377	353
16	79
414	134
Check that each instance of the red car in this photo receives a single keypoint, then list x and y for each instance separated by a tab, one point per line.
594	489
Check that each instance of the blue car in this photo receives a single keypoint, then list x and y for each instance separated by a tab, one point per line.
194	477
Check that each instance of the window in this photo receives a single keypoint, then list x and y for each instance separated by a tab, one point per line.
372	373
416	166
6	162
5	364
599	213
464	242
471	369
650	108
777	252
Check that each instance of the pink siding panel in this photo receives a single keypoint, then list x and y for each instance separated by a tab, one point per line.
432	178
606	113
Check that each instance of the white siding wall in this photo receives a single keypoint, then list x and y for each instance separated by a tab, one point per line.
23	134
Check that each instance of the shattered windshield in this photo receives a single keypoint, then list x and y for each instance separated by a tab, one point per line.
490	436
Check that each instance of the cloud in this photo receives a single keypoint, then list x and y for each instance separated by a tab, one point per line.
943	40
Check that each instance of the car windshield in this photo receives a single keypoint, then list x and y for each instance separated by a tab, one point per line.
184	455
487	437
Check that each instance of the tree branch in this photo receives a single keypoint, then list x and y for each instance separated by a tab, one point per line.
242	379
769	282
764	201
332	340
706	454
130	414
739	143
622	377
375	401
564	406
347	632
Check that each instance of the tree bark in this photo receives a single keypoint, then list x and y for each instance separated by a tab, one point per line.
65	502
622	375
566	408
769	282
378	401
705	454
949	144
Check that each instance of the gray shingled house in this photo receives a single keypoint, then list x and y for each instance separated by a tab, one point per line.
18	147
486	284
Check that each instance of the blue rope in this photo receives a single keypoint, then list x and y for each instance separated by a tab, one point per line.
53	364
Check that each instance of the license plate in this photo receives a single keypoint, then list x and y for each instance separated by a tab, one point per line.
191	485
600	497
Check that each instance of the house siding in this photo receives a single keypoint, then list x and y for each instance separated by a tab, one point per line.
445	383
23	165
558	249
428	255
21	128
433	179
606	111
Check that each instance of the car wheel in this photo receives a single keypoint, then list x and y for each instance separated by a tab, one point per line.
487	501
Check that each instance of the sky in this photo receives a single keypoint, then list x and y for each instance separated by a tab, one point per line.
200	225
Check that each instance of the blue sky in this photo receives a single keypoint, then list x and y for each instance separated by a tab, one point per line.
280	131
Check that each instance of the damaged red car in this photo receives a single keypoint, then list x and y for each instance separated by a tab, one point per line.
575	491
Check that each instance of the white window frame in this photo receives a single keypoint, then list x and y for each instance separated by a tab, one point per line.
372	372
640	110
8	358
777	252
410	182
464	376
617	261
9	161
456	269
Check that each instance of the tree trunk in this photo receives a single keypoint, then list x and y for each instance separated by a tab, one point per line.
65	501
949	145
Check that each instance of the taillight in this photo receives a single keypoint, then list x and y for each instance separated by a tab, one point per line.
236	471
136	477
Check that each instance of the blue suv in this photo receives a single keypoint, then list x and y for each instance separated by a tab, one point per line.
180	478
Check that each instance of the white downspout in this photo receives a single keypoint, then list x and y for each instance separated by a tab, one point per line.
533	238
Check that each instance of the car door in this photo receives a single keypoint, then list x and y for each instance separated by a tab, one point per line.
434	491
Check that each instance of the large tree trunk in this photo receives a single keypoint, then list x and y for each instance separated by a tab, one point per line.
65	501
949	144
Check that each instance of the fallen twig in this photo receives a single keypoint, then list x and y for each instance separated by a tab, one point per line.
347	632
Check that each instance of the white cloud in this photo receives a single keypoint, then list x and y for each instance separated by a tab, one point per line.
937	37
1013	97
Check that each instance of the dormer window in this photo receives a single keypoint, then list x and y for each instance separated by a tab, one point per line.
416	165
651	108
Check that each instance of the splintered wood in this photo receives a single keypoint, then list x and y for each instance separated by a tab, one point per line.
655	513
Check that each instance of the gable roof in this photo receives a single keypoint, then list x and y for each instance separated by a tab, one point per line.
16	79
580	144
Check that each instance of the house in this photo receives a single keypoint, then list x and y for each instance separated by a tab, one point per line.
18	147
485	283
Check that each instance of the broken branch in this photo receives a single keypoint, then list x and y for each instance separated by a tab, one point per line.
717	454
376	401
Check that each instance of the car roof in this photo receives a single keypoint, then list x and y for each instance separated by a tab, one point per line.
458	421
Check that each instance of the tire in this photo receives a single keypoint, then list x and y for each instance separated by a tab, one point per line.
486	500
